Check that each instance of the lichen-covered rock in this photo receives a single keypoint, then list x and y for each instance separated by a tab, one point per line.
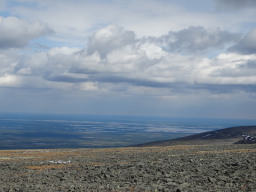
176	168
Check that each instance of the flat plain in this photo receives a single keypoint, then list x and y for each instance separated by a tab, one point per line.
173	168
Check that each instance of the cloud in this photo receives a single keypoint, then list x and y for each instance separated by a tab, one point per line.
17	33
142	63
109	38
8	62
235	4
63	51
236	68
7	80
247	45
128	57
245	71
250	64
176	73
197	39
73	22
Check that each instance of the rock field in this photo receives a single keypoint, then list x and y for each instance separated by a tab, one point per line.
175	168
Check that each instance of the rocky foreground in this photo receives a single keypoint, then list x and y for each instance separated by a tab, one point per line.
175	168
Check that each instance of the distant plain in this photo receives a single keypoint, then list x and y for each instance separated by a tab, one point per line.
32	131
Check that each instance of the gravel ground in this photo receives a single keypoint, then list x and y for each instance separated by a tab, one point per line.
176	168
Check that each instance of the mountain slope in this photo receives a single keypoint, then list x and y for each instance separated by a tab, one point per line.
221	136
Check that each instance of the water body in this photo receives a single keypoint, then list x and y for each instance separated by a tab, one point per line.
33	131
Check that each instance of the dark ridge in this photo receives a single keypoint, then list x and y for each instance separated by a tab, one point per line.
247	140
222	136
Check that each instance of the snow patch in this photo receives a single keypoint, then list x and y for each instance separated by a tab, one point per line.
58	162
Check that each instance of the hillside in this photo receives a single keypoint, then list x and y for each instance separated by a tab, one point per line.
222	136
137	169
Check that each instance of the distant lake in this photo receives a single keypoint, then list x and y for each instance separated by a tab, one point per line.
33	131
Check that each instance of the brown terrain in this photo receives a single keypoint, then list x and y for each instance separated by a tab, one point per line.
171	168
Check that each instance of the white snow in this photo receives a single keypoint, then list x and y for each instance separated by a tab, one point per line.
60	162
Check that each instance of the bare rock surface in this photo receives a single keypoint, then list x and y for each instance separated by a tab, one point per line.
173	168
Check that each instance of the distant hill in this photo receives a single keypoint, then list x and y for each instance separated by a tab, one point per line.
243	134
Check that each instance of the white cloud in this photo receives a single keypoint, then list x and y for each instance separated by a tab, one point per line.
153	51
17	33
73	22
235	69
89	86
133	62
33	64
109	38
24	71
8	62
63	51
7	80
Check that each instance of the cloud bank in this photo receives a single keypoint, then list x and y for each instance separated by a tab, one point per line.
116	56
128	56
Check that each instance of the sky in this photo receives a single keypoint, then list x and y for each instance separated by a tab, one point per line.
178	58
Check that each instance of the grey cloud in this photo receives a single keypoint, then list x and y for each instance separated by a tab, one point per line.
108	39
77	70
224	88
181	87
17	33
196	39
247	45
106	78
251	64
235	4
75	75
132	81
175	87
65	78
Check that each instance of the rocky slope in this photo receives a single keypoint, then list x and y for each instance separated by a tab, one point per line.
173	168
221	136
